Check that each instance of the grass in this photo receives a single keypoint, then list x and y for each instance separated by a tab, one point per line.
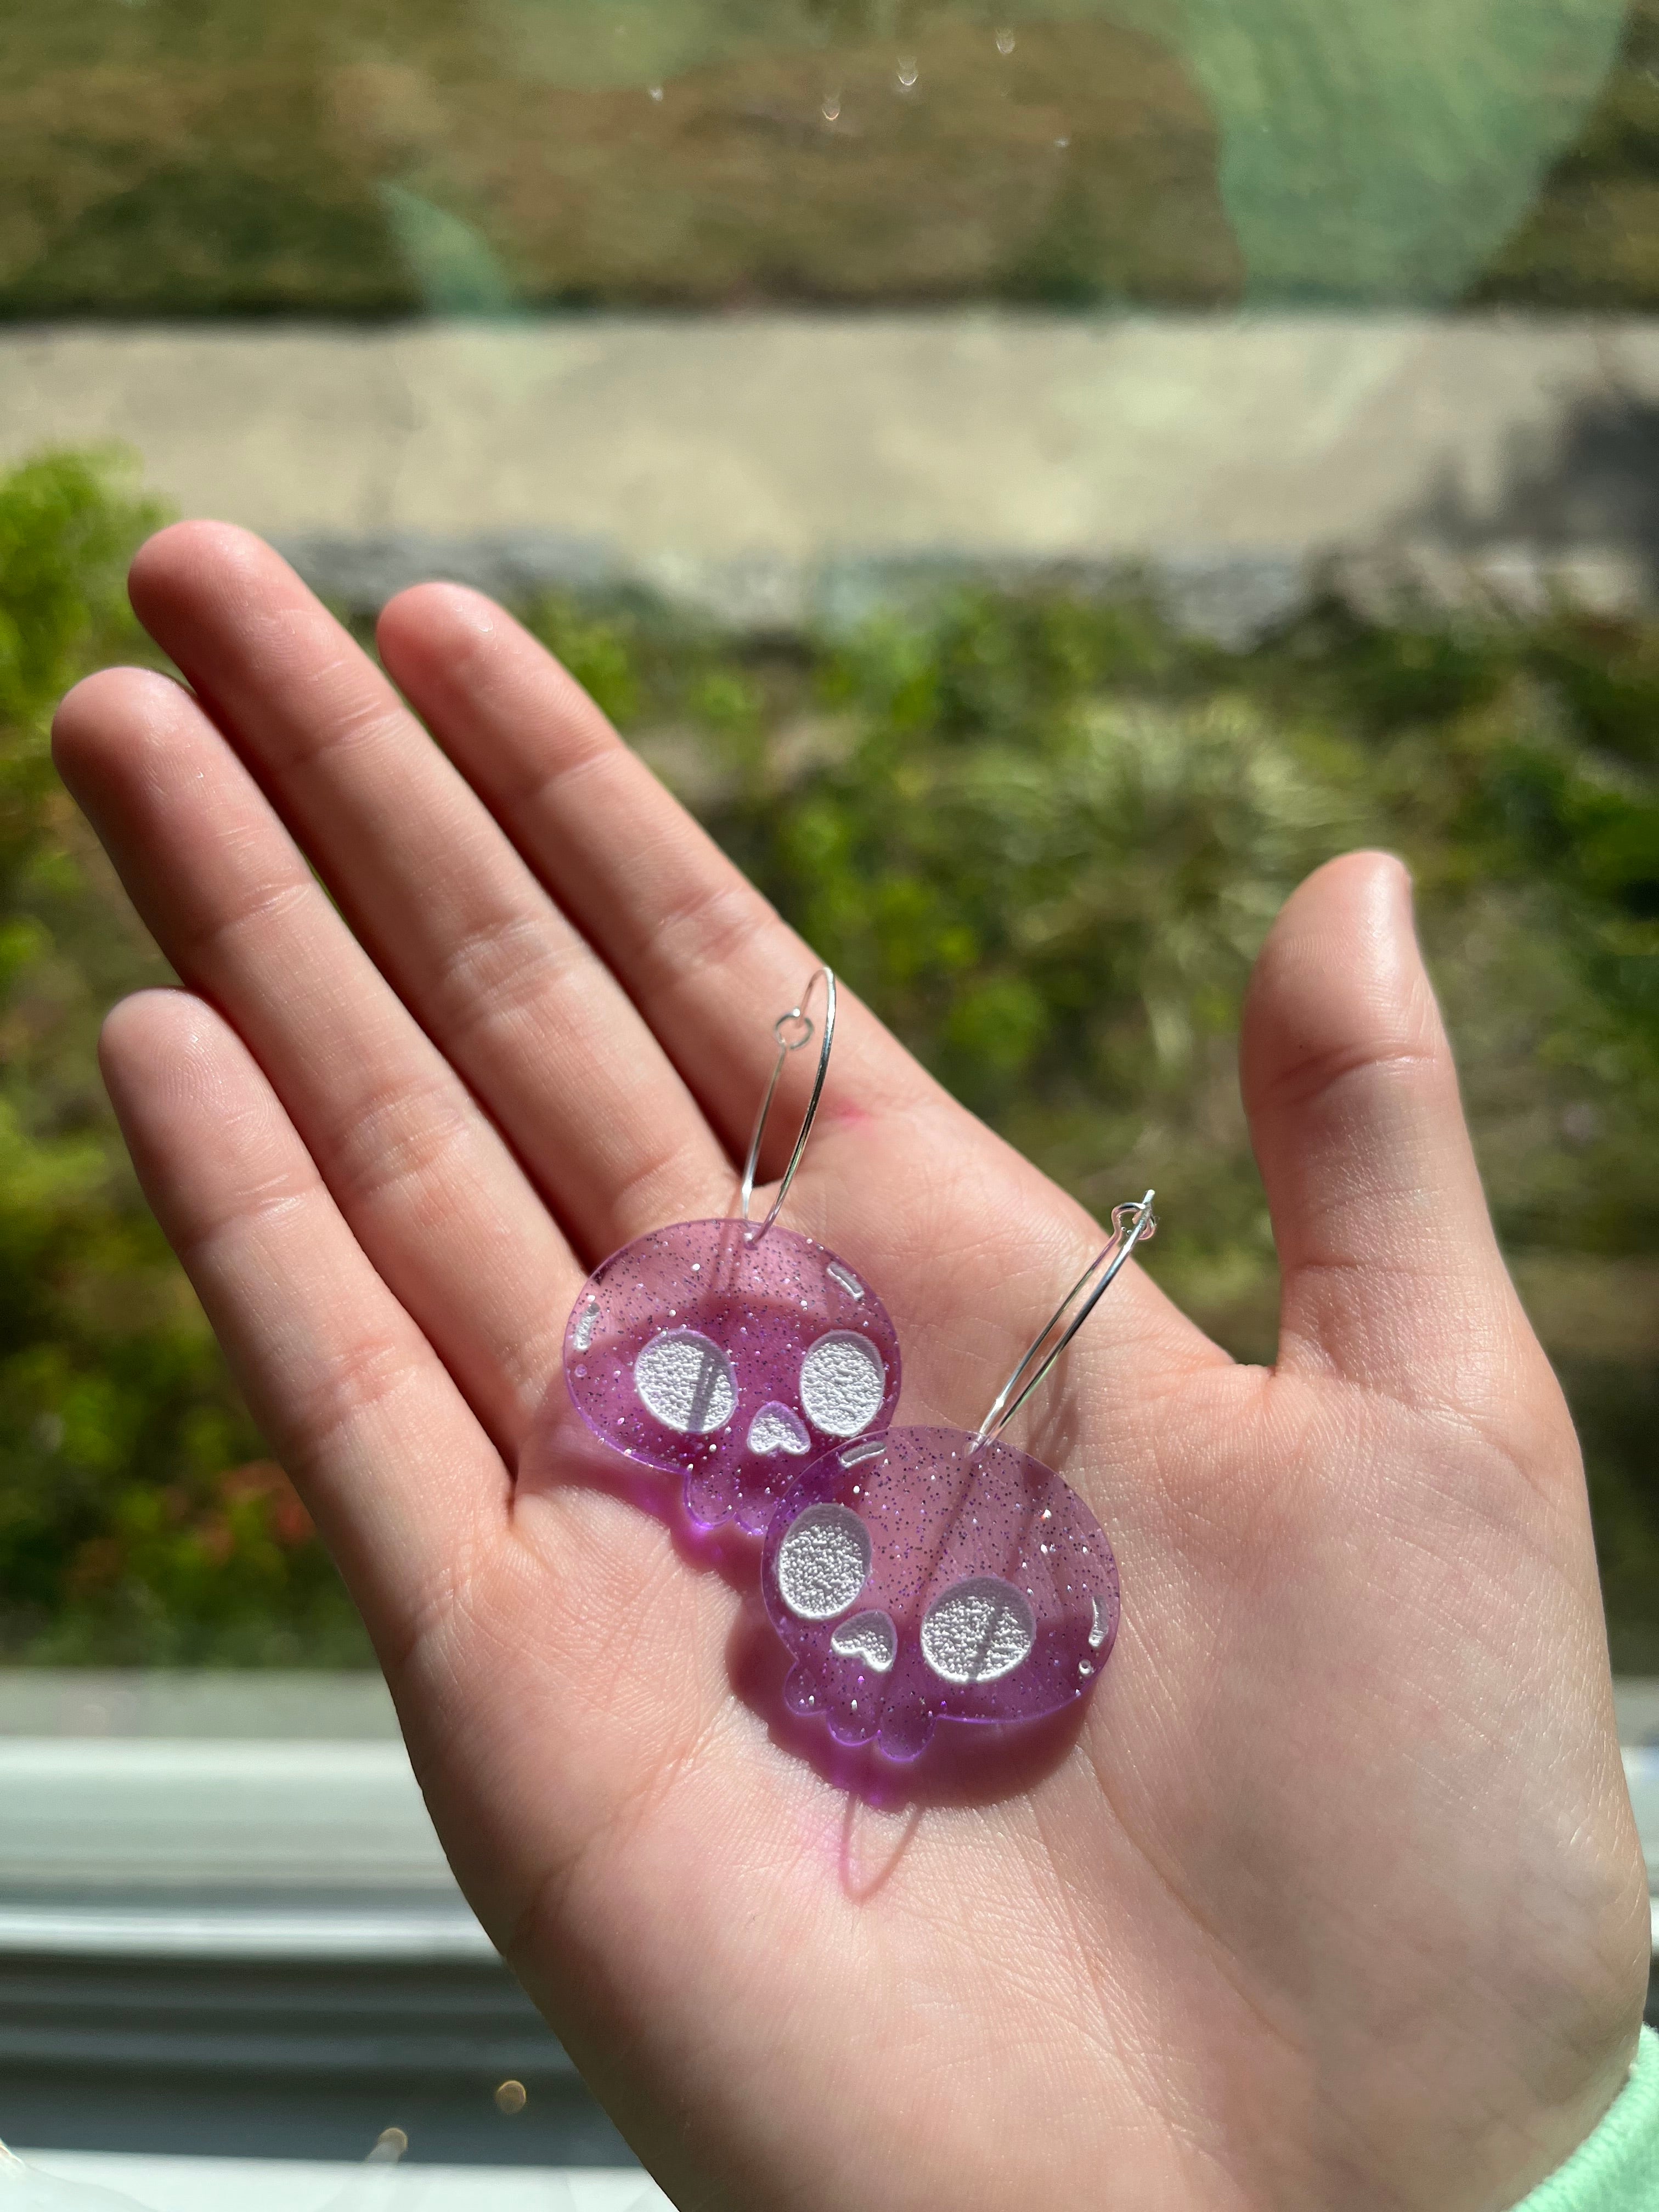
198	157
330	162
1044	836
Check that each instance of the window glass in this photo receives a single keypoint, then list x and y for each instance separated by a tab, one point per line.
1035	478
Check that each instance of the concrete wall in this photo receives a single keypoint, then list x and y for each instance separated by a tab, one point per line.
780	463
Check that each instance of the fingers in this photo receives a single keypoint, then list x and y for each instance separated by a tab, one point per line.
452	917
401	1479
1391	1272
430	1190
899	1177
706	959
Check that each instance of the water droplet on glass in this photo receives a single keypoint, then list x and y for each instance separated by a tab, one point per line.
908	72
656	92
831	111
1004	42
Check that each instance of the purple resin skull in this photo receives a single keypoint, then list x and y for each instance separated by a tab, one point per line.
728	1356
915	1579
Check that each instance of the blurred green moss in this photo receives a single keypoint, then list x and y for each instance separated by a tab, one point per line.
1044	837
140	1520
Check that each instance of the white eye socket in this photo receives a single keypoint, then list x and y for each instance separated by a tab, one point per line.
823	1562
842	1383
684	1380
869	1636
981	1629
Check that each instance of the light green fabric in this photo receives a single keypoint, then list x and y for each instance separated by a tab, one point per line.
1618	2169
1383	150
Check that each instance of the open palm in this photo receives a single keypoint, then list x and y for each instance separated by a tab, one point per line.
1329	1894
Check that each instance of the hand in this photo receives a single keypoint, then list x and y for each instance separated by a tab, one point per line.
1328	1896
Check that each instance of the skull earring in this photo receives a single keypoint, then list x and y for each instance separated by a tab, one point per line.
923	1575
726	1351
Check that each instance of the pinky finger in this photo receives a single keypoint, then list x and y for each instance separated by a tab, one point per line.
390	1460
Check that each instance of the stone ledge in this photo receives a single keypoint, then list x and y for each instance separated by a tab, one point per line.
773	465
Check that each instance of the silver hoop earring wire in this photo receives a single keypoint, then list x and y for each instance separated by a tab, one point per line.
791	1030
1132	1224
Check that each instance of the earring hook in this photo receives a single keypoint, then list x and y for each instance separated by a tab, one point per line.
797	1019
1132	1224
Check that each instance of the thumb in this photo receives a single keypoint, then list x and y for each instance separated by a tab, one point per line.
1390	1268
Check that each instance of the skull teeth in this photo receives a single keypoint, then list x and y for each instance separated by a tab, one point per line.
868	1637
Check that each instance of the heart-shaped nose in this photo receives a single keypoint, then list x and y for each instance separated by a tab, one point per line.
775	1428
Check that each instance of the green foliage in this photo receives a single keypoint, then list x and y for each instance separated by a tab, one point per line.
1044	837
598	653
138	1518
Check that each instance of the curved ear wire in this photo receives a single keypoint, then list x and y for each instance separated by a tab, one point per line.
1131	1225
791	1030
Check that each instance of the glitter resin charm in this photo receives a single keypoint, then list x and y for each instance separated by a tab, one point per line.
729	1355
923	1575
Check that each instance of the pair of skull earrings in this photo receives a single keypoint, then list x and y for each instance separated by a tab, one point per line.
914	1575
